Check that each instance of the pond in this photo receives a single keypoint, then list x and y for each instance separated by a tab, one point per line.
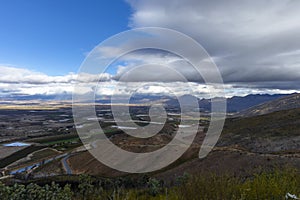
16	144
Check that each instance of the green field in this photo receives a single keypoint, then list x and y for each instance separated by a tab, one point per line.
75	139
54	139
44	153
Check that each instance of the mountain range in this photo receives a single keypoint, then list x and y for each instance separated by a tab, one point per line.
253	104
234	104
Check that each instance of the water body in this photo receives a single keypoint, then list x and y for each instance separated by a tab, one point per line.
124	127
184	126
64	120
16	144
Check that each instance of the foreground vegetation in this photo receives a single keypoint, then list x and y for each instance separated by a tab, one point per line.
266	185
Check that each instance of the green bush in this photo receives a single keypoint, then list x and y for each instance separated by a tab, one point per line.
35	192
204	186
154	186
266	185
272	185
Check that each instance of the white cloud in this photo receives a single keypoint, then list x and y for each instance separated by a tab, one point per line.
20	81
21	75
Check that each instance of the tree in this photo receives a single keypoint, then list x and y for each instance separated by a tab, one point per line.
85	186
154	186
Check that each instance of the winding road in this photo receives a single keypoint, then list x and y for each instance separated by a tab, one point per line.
66	165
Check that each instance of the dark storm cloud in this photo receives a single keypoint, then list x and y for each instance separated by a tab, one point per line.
252	42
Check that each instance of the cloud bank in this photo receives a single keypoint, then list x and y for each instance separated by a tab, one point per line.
16	82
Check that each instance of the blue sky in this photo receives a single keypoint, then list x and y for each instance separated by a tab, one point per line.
54	36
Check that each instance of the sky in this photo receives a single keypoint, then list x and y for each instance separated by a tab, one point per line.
53	36
255	45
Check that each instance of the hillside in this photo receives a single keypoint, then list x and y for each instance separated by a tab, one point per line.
276	132
248	145
283	103
236	103
265	141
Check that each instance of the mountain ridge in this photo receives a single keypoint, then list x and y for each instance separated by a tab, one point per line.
284	103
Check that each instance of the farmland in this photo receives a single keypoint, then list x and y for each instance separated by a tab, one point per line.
57	152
